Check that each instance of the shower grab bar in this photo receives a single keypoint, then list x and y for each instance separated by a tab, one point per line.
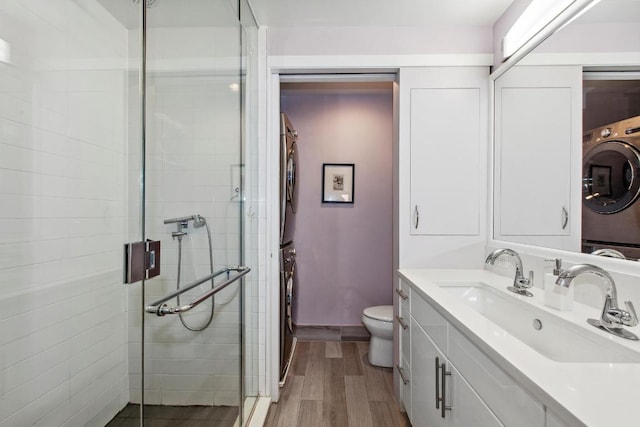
157	307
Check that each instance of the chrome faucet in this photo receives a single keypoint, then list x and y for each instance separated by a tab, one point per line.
612	318
520	283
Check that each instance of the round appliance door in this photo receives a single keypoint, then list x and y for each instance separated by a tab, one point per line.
610	177
292	177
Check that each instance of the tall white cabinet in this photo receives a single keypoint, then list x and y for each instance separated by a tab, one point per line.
442	117
443	159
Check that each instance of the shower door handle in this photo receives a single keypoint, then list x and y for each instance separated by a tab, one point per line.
159	308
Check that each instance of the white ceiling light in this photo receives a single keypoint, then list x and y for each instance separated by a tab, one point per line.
535	17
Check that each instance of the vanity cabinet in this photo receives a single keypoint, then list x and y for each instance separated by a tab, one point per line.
538	144
441	396
447	369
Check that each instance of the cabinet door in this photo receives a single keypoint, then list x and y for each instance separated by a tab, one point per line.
423	380
537	139
467	409
442	155
445	161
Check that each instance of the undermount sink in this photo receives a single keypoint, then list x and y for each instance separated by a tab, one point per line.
551	336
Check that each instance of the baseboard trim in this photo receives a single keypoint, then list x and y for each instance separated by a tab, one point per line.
331	333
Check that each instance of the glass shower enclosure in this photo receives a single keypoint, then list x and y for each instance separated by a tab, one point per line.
127	121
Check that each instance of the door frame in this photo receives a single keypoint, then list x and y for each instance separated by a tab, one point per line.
272	68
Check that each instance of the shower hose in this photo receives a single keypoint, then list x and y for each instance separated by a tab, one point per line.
182	320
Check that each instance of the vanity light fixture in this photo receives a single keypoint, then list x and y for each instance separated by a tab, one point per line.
535	17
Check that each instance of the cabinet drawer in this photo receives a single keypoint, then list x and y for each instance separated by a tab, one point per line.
431	321
509	401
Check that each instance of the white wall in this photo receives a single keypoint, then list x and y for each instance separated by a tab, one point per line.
604	37
62	214
378	40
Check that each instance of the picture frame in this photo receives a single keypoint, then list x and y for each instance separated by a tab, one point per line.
338	182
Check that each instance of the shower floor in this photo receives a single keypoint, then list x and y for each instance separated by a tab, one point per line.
184	416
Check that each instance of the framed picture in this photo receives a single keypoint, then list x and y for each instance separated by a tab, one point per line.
337	182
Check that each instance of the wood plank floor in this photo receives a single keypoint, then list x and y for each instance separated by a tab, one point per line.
332	384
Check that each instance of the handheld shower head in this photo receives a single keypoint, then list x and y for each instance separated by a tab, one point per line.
199	221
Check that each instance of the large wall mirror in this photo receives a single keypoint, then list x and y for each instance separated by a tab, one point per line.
567	138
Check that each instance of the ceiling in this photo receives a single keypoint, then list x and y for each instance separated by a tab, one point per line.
324	13
377	13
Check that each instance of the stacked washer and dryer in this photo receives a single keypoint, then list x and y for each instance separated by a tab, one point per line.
288	208
611	186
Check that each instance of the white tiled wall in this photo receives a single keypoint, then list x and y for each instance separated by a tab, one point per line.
62	214
69	197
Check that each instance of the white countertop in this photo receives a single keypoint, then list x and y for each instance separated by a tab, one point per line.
593	394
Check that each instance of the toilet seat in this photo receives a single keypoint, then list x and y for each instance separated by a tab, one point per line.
382	313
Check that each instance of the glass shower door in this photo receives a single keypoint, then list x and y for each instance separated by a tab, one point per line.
191	362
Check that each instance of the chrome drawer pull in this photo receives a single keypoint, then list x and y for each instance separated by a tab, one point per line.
403	376
445	373
402	294
402	322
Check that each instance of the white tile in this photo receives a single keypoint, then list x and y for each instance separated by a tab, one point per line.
188	383
172	397
21	372
33	389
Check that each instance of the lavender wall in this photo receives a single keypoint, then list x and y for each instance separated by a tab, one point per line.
344	251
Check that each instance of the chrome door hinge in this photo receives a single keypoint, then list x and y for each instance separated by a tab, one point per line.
141	260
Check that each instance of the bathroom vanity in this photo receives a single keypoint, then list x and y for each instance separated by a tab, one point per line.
472	353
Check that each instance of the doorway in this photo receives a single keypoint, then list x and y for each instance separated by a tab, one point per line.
344	258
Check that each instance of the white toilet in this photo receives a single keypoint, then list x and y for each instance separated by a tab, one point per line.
379	322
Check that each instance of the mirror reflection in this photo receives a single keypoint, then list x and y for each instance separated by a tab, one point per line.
567	138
